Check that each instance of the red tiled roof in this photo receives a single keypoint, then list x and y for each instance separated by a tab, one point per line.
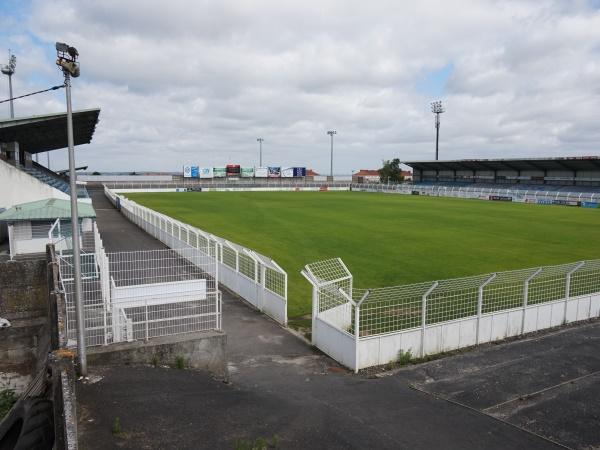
365	172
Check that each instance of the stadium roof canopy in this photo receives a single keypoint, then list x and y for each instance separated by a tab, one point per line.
37	134
49	209
574	164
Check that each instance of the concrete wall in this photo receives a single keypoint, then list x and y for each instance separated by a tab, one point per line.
24	303
206	350
18	187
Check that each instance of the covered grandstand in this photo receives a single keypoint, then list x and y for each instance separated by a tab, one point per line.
581	173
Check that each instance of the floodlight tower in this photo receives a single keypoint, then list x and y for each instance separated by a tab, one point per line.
331	133
260	141
9	70
67	61
437	109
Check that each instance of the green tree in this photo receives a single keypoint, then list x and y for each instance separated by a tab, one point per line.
391	172
96	173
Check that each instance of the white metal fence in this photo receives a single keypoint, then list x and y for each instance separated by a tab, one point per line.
574	196
254	277
362	328
140	295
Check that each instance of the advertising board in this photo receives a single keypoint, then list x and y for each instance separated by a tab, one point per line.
206	172
261	172
232	170
501	198
247	172
566	202
299	171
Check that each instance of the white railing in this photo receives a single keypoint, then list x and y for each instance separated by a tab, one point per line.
140	295
254	277
362	328
528	194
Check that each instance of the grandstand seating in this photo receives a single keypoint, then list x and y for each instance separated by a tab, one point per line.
513	187
50	178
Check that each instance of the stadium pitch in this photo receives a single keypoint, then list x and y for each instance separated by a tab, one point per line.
386	240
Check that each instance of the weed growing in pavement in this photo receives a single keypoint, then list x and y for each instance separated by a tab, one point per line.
404	357
116	428
154	361
275	441
179	362
7	400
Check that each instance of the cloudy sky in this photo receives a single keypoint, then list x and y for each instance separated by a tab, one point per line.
196	82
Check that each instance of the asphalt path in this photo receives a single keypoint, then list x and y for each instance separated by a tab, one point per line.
540	392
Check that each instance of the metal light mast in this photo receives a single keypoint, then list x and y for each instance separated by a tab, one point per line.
437	109
260	140
67	61
9	70
331	133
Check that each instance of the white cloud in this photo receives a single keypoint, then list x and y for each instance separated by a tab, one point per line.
188	82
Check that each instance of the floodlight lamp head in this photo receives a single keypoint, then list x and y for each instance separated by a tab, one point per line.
67	59
9	69
436	107
66	52
61	47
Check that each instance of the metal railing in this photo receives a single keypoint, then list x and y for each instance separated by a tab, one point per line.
361	328
523	194
254	277
140	295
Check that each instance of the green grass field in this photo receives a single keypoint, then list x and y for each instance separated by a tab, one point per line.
386	240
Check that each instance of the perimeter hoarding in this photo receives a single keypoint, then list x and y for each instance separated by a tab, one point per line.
287	172
206	172
261	172
233	170
220	172
190	171
247	172
299	171
274	172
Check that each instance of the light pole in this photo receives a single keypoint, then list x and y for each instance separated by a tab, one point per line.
9	70
437	109
67	61
260	140
331	133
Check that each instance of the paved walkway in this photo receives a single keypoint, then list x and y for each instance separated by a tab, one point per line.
279	386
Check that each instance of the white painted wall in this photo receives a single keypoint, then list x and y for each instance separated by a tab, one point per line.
126	178
18	187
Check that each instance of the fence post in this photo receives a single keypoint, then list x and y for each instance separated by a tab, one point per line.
217	264
526	296
263	283
424	315
568	286
146	305
357	329
479	304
